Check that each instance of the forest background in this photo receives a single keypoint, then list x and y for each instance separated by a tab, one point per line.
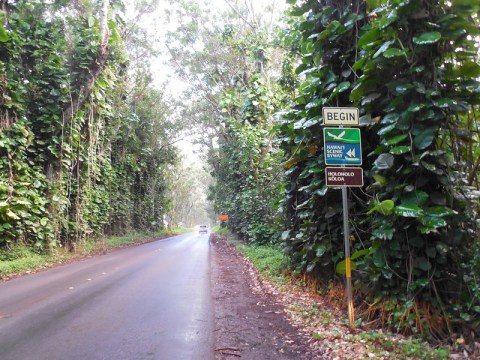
87	137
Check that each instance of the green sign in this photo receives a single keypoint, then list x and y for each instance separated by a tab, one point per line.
342	146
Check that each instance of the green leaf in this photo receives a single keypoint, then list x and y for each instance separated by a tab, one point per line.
43	221
379	259
384	161
385	208
3	34
359	253
398	150
395	140
384	232
469	69
341	87
445	103
321	250
431	223
427	38
440	211
369	37
408	210
385	21
341	267
424	138
393	52
416	197
386	129
12	215
382	49
382	180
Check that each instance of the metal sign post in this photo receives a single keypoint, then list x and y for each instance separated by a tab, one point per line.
348	267
343	148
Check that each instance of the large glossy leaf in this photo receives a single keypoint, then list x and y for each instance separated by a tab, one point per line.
415	197
431	223
408	210
382	49
427	38
393	52
385	21
386	129
424	138
395	140
384	232
384	161
341	88
445	103
369	37
399	150
440	211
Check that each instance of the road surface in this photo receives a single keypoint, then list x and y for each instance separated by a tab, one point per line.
147	302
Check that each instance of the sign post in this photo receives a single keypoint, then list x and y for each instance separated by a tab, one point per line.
343	147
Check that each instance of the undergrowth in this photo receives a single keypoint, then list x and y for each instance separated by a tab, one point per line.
220	230
271	263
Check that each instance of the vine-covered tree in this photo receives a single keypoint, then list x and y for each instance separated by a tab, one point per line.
229	64
411	67
83	144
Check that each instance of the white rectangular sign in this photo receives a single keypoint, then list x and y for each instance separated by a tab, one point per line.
340	116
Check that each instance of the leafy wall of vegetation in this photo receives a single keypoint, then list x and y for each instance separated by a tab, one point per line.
233	100
411	67
82	146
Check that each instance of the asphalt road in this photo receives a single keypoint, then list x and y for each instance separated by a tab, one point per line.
147	302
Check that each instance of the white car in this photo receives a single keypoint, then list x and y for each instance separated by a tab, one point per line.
203	229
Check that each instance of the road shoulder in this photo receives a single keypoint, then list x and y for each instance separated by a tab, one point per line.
249	321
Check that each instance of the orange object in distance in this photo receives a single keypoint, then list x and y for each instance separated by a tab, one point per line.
222	217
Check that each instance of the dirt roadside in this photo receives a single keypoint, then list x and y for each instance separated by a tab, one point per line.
249	322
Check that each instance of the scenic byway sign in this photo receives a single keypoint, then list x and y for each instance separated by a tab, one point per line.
342	146
340	116
351	176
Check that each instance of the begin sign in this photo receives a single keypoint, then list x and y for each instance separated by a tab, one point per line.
351	176
340	116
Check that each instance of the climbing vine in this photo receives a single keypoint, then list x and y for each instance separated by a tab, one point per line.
411	68
78	156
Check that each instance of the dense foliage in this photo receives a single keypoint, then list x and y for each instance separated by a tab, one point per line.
86	140
411	68
233	98
82	146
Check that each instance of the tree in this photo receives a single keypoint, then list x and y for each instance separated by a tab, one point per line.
413	226
85	140
228	63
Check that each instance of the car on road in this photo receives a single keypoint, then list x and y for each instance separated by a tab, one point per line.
203	229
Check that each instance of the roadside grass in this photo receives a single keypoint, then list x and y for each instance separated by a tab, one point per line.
21	259
327	325
269	261
222	231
